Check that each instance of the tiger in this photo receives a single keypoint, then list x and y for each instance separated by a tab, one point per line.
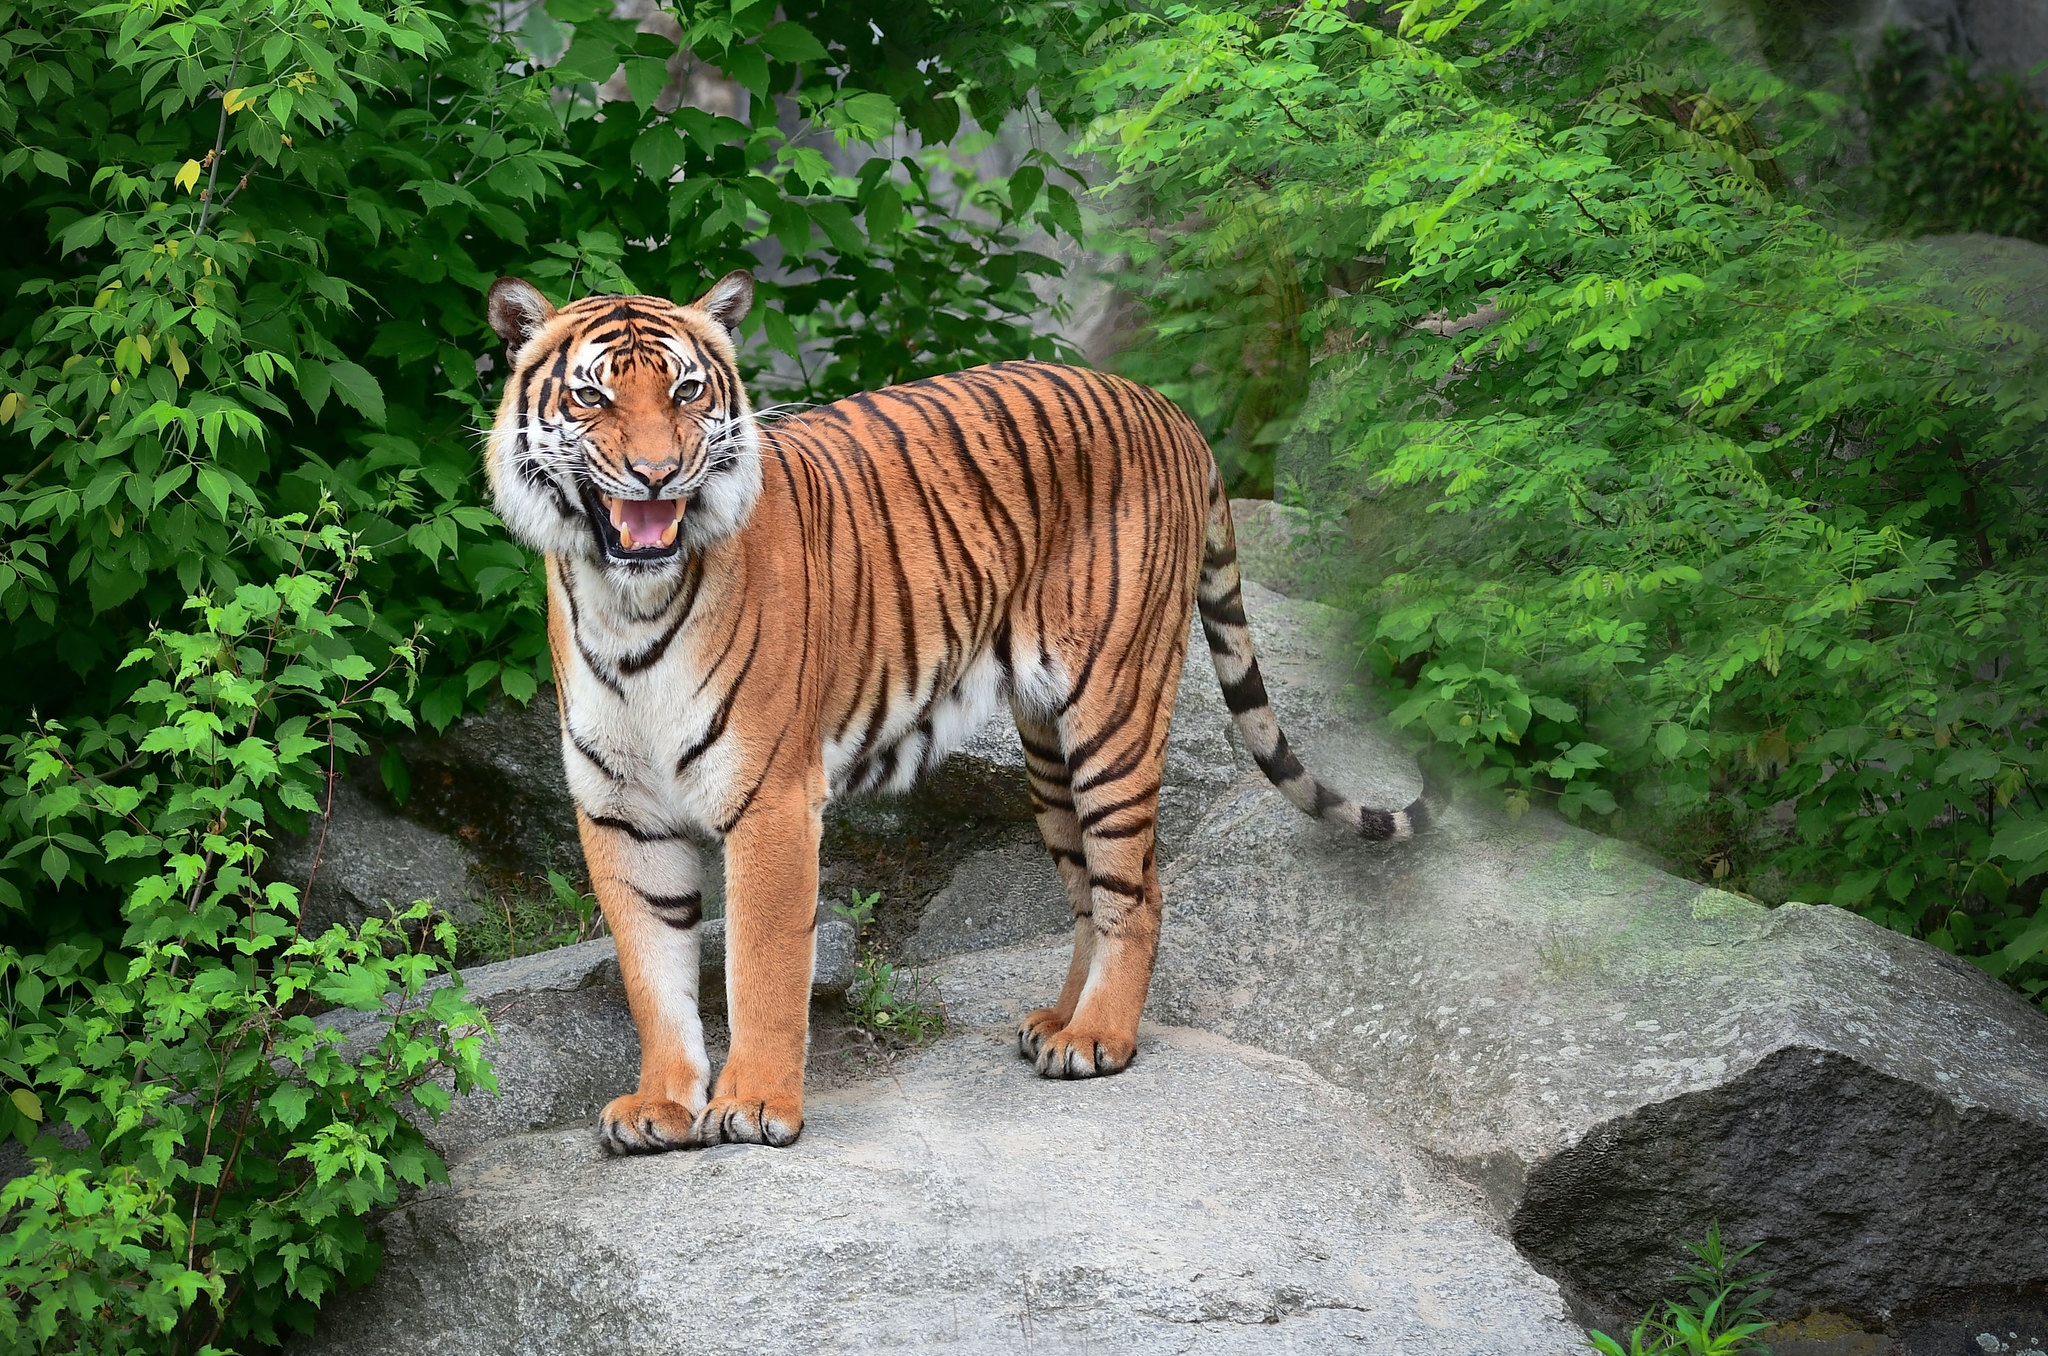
748	620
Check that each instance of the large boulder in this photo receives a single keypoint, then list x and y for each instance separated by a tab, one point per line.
1211	1199
1615	1057
1608	1056
495	780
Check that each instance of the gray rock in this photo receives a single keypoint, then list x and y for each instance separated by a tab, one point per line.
563	1041
832	959
371	860
1615	1055
1212	1199
996	897
1998	36
495	778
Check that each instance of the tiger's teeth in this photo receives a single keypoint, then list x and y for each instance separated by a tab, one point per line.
668	536
618	512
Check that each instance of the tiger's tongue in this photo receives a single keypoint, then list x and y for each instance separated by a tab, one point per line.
648	522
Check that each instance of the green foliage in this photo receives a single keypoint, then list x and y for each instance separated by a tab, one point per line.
245	250
1951	152
1715	512
885	1000
231	1147
528	920
1720	1315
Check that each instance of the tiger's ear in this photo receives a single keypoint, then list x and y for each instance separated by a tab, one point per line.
517	309
729	300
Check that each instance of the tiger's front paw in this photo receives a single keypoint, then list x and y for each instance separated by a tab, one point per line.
1079	1053
1038	1026
641	1124
774	1121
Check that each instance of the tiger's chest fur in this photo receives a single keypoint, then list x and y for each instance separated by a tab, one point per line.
675	699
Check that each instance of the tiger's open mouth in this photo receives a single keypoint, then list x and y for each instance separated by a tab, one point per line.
634	529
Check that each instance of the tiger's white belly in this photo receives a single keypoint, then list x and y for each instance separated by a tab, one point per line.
635	749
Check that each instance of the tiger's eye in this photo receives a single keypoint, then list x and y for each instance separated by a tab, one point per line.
590	396
687	391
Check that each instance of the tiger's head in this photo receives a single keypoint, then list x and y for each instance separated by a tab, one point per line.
624	437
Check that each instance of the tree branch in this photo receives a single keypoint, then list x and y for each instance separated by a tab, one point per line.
220	138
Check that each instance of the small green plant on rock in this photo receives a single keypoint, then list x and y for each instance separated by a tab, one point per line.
1720	1315
532	915
884	1000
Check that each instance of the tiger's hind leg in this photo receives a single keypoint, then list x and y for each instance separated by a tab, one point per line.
1112	804
1052	798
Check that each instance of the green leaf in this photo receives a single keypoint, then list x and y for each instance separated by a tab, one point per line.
1024	186
788	41
590	59
82	234
748	68
314	383
360	987
836	221
441	706
27	1103
646	77
2021	840
1065	212
1671	740
659	152
518	684
866	117
397	777
288	1104
2027	945
884	212
780	332
214	487
357	389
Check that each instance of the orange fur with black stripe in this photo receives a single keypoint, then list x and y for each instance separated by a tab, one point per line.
745	624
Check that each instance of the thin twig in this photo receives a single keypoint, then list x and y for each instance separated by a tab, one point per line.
1588	215
220	137
1288	113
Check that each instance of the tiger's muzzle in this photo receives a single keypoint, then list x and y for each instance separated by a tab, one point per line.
634	529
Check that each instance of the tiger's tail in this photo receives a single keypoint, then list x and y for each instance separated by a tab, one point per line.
1220	600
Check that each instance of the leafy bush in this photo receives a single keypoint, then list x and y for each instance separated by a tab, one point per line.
220	1149
246	250
1717	518
244	255
1951	152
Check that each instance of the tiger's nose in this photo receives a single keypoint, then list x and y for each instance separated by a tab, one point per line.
654	474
